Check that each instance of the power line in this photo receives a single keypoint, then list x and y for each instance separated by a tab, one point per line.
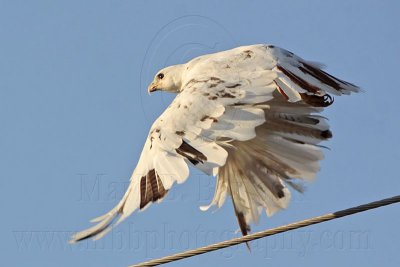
269	232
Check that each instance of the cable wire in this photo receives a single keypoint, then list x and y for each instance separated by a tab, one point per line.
269	232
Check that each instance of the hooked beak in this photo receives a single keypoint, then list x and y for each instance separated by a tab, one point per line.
152	88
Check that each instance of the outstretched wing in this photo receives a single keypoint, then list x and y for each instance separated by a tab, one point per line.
194	129
296	79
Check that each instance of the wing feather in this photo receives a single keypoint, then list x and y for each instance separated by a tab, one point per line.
246	115
184	134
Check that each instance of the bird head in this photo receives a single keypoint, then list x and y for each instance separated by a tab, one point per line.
167	79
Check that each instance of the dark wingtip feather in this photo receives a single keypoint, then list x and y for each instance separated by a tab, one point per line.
326	134
93	234
101	227
151	188
334	82
244	227
317	101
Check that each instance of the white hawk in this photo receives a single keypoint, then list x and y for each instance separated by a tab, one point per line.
248	116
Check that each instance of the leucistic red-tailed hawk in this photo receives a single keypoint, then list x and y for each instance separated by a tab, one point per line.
249	117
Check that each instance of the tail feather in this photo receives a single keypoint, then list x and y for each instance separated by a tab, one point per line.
258	172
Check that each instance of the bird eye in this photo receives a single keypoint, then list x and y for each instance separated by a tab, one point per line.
160	76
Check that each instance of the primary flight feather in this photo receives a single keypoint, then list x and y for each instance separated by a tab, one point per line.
248	116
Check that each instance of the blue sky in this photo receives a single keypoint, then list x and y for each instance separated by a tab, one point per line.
74	114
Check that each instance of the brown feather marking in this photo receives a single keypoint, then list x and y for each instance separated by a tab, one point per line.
192	154
325	77
180	133
151	188
153	183
149	191
206	117
288	127
272	184
317	101
233	86
282	92
248	54
296	118
226	95
322	76
142	192
244	227
300	82
161	189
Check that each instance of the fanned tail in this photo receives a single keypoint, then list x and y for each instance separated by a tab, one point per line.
258	172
